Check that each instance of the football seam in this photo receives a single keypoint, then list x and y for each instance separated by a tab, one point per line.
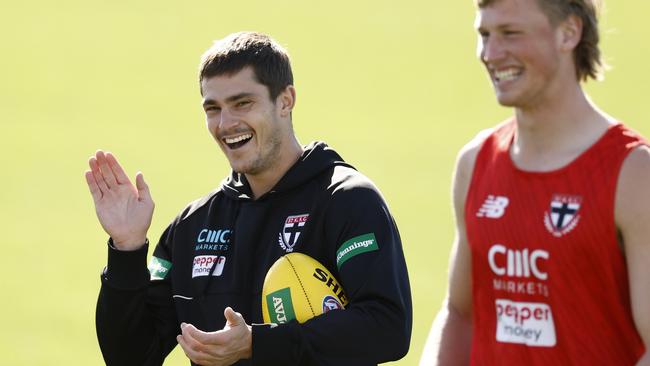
311	308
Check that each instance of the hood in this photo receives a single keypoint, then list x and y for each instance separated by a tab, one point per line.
316	158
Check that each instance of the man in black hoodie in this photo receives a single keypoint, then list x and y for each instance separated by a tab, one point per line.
211	260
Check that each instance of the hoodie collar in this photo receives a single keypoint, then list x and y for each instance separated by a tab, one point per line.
316	158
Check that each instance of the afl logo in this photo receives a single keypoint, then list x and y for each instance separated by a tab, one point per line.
331	303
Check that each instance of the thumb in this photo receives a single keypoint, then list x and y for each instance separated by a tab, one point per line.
143	188
233	318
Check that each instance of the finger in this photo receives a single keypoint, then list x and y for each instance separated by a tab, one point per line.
196	341
143	188
199	336
99	178
191	353
106	171
233	318
189	341
117	169
92	185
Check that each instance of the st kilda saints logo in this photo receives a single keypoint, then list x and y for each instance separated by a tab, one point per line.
563	214
293	226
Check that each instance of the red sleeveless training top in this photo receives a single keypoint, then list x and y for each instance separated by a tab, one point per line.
549	280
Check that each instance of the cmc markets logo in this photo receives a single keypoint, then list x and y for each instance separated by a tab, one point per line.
518	263
209	239
214	236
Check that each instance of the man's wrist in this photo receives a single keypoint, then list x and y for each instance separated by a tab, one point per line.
128	246
247	353
126	270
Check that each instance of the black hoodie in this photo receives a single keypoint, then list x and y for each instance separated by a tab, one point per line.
216	254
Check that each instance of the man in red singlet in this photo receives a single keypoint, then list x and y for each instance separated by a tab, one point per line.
551	262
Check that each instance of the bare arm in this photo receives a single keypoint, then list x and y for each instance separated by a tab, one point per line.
450	337
633	220
123	210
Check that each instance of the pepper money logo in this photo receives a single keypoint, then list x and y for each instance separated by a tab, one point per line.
290	233
526	323
203	265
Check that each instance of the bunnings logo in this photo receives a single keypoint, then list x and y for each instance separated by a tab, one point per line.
280	306
355	246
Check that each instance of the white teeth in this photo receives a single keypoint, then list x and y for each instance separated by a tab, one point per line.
232	140
506	75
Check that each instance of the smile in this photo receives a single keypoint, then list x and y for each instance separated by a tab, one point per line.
237	141
507	74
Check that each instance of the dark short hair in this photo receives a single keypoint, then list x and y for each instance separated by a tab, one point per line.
270	62
586	56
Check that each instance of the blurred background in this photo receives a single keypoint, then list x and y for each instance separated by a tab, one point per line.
394	86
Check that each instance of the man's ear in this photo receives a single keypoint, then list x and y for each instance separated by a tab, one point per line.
570	33
286	100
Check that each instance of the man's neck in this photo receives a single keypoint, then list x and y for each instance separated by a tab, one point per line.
264	181
553	133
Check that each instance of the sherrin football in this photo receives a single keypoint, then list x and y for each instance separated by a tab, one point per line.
298	287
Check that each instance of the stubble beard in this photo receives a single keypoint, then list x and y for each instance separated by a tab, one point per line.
268	155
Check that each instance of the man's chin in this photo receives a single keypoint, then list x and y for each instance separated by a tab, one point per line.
237	166
238	169
506	102
241	168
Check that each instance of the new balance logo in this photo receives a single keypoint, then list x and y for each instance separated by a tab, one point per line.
494	207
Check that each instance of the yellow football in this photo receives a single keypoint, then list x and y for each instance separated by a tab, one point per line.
298	287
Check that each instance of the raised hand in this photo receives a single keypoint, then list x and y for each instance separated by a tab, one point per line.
220	348
124	210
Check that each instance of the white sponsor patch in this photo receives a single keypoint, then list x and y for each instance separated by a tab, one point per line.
526	323
203	264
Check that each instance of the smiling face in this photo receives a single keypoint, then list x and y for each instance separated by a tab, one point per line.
250	128
525	55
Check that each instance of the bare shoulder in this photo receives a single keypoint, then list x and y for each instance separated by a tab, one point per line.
465	164
467	154
633	190
634	177
638	158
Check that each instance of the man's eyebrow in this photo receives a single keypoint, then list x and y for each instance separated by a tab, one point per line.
239	96
208	102
230	99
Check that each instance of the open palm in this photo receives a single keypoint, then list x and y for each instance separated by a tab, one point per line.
124	210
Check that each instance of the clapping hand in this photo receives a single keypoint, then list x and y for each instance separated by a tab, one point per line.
124	210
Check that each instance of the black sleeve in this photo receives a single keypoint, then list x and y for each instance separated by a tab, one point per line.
135	319
376	325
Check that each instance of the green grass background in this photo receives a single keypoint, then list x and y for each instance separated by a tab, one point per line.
394	86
